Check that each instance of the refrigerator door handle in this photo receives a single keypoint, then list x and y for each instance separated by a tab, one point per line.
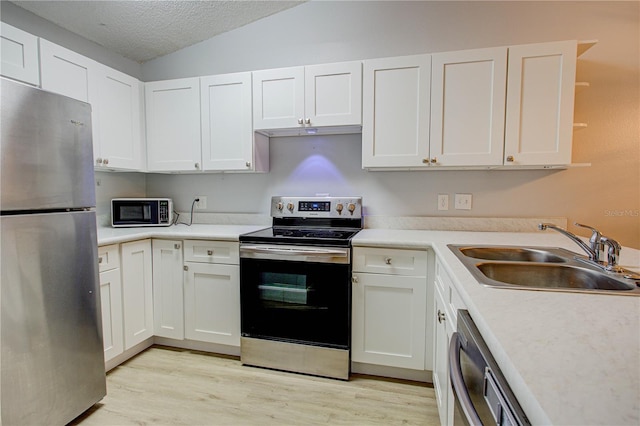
457	382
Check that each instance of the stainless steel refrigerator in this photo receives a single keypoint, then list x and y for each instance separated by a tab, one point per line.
51	357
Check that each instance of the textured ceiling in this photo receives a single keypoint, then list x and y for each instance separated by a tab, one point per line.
143	30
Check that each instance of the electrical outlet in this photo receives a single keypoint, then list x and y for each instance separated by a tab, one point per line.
463	202
443	201
202	203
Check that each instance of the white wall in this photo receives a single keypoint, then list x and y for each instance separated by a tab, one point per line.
605	195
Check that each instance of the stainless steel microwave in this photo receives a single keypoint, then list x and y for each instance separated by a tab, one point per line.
131	212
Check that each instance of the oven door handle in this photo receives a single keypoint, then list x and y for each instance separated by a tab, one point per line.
460	391
295	251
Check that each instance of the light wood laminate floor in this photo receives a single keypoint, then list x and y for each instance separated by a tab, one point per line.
178	386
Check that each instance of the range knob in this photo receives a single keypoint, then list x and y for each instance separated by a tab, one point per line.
290	207
351	208
280	206
339	208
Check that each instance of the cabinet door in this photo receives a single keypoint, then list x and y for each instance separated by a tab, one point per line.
19	55
333	94
395	111
468	107
67	73
111	303
137	292
442	335
168	299
173	125
389	320
212	303
227	129
119	143
278	98
540	97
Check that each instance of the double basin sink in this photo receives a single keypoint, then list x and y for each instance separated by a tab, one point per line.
542	268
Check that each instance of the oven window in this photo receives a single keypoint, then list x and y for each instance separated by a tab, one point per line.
296	301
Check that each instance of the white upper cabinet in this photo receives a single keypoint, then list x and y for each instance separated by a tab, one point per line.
307	97
115	98
278	98
227	129
68	73
395	122
540	102
333	94
468	107
19	55
119	144
173	125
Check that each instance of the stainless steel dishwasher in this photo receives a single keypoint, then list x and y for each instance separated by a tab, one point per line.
481	393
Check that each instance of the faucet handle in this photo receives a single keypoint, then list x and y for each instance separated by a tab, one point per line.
613	253
596	235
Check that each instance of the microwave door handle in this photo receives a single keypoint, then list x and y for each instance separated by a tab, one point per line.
457	382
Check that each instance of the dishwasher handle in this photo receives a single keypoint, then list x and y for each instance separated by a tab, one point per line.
457	382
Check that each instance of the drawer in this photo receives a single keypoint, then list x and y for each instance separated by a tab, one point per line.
108	257
390	261
204	251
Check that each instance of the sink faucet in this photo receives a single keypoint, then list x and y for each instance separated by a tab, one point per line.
597	243
592	251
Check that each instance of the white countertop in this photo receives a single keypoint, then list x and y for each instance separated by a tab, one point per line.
570	358
109	235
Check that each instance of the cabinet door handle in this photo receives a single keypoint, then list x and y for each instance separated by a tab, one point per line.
197	166
387	260
307	121
510	159
300	121
209	252
354	279
434	160
176	246
247	164
100	260
105	161
441	316
185	268
99	160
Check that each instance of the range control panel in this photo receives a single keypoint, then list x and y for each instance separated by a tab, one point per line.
325	207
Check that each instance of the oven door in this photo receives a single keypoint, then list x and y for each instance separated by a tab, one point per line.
296	294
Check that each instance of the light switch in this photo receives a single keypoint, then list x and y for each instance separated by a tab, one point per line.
463	202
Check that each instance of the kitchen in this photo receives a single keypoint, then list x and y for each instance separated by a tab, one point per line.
332	164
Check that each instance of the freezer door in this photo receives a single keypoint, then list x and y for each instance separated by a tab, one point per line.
47	152
52	362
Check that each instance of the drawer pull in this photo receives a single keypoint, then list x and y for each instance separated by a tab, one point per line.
387	260
441	316
176	246
100	260
209	252
354	279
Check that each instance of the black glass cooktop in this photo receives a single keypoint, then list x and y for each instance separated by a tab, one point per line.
301	236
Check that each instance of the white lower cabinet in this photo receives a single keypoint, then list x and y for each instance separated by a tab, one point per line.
389	308
212	292
168	297
212	303
137	292
447	301
111	300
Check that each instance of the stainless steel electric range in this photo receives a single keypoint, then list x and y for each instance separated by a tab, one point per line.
295	286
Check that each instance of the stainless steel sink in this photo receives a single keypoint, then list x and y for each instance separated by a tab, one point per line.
541	268
513	254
